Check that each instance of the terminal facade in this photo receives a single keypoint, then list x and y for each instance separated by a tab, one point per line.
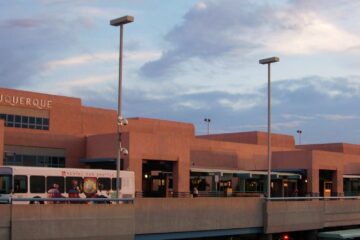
167	157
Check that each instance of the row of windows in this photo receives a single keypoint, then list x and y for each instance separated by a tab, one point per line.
31	160
41	184
25	121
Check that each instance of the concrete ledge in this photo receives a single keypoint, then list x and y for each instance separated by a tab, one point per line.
5	221
196	214
73	221
288	216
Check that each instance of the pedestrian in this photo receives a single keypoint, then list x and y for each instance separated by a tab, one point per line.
195	192
54	192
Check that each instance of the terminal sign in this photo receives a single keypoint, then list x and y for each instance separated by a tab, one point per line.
25	101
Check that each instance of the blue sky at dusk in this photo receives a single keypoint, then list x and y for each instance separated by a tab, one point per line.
186	60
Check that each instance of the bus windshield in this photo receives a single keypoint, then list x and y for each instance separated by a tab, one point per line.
5	184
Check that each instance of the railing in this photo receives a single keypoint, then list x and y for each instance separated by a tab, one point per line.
312	198
72	200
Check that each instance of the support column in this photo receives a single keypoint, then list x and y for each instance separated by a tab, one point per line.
313	189
135	165
338	183
181	179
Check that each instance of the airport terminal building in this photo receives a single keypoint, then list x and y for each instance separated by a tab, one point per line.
167	157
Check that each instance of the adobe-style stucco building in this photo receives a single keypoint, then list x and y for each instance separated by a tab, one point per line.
167	157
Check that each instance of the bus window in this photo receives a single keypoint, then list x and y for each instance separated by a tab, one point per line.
50	181
20	184
104	184
37	184
114	184
74	182
5	184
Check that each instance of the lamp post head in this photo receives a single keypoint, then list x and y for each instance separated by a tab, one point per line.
269	60
121	21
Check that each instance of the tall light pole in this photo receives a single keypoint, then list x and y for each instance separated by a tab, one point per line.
208	120
268	61
299	132
120	121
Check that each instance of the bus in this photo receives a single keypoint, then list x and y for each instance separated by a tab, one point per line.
37	182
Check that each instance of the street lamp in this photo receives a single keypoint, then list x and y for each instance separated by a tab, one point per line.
299	132
120	120
208	120
269	61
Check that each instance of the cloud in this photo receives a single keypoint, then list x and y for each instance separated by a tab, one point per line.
338	117
213	31
103	57
24	44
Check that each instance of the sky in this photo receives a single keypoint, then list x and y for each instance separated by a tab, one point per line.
186	60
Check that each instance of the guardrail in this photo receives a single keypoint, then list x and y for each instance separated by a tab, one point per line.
312	198
72	200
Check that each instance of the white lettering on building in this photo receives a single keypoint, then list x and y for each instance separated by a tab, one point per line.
25	101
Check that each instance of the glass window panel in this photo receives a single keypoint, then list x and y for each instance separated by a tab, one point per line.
29	160
73	183
5	184
45	121
20	184
37	184
40	161
104	184
3	116
10	118
61	162
39	121
50	181
45	127
24	122
54	161
17	119
113	184
32	120
17	125
18	159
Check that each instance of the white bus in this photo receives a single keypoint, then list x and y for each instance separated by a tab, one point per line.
35	182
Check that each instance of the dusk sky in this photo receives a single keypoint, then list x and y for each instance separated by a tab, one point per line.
186	60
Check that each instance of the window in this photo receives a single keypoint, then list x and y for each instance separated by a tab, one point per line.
50	181
25	121
37	184
104	184
113	180
74	182
29	160
5	184
20	184
33	160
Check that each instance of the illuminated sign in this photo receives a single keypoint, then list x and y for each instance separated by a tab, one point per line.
25	101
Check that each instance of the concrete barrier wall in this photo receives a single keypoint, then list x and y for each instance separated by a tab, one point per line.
72	221
287	216
196	214
341	213
5	221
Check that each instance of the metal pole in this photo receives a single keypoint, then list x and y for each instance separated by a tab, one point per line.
269	133
119	112
208	127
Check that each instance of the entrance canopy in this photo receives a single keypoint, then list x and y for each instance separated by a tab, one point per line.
341	234
246	173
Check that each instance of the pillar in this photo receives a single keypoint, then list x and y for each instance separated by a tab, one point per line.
313	189
181	178
338	183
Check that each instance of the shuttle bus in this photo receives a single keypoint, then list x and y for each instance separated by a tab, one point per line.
37	182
